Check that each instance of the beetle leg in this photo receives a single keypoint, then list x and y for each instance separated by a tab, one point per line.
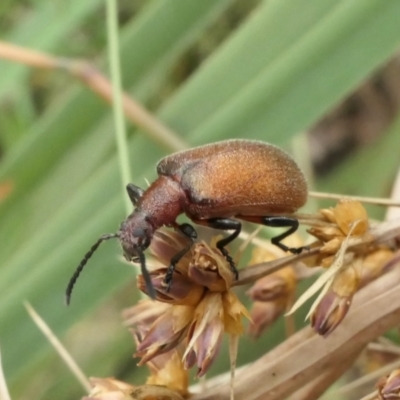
224	224
283	222
134	193
191	234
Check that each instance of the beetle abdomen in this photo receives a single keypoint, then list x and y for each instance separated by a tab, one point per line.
237	177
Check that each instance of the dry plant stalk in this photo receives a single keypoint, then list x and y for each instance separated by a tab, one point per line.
91	77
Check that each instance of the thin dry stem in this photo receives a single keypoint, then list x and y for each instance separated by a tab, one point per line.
369	200
369	378
290	323
385	347
233	349
371	396
61	350
98	83
257	271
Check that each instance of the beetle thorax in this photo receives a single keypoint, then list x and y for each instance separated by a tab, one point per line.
162	202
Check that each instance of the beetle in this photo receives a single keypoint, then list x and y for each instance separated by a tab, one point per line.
214	185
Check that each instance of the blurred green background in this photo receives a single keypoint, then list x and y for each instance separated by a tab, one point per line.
318	77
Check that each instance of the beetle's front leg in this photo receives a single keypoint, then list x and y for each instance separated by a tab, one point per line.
191	234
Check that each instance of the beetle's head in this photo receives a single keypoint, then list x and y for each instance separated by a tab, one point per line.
135	235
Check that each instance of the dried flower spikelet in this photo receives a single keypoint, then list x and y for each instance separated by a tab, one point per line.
347	212
165	333
166	244
280	284
389	387
345	216
335	304
109	389
183	291
263	315
234	311
325	233
272	293
373	264
217	313
202	308
329	313
209	267
205	333
347	281
144	313
167	370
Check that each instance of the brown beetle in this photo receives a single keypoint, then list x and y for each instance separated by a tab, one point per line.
212	184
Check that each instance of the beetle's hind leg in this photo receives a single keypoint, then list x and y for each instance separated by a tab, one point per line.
283	222
191	234
224	224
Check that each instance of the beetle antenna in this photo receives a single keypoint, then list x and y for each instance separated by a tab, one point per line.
78	271
145	273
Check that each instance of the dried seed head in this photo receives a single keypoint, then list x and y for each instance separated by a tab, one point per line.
278	285
182	292
347	212
234	311
167	368
205	333
165	333
329	313
271	294
347	281
217	313
144	313
346	216
374	263
263	315
201	307
209	268
335	304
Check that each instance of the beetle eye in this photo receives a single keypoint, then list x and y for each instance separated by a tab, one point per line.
139	233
